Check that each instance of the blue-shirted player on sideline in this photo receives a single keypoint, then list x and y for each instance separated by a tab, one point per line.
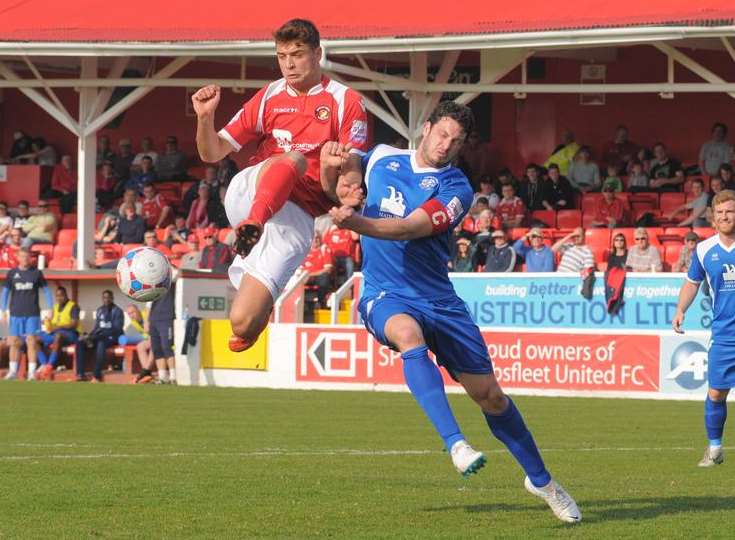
21	288
714	260
414	200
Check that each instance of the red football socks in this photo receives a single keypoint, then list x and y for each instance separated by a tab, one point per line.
274	190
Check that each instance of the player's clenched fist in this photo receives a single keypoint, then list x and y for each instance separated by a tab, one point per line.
341	216
205	100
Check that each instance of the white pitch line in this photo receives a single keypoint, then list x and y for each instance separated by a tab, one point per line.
327	452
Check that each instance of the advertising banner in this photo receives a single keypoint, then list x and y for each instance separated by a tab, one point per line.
684	364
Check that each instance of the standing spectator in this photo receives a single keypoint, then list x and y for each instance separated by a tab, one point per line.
463	257
226	170
613	179
638	178
511	209
584	174
9	254
618	252
558	192
576	257
146	175
21	288
474	156
500	255
41	154
131	228
685	255
21	145
171	164
697	205
716	151
486	190
345	246
123	161
620	151
531	191
161	330
147	151
64	184
156	210
537	255
643	257
23	215
666	173
6	222
609	210
41	227
563	155
104	152
191	259
319	264
108	327
215	255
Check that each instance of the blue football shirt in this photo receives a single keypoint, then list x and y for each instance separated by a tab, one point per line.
716	263
396	186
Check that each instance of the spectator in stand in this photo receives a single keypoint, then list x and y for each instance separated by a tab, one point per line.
697	205
500	255
609	210
620	151
725	174
638	178
6	222
156	210
226	169
563	155
506	177
22	144
109	321
178	232
104	152
618	252
147	151
102	258
643	257
481	204
664	171
345	247
558	192
131	228
319	264
511	209
40	228
576	257
206	210
537	255
10	251
123	161
151	240
64	184
584	174
191	259
215	255
613	179
716	151
107	228
23	215
715	186
486	190
171	164
685	255
146	175
41	154
130	196
474	157
212	182
531	192
106	185
484	225
463	257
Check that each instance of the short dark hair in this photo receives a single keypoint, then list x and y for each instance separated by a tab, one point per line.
61	288
461	114
698	181
149	184
301	30
149	158
482	200
720	125
23	203
532	166
553	166
108	291
725	167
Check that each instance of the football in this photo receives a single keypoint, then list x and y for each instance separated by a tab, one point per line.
144	274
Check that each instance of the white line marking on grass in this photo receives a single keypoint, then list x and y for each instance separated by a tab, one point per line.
275	452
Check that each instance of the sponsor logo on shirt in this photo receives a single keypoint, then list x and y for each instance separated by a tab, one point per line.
285	110
728	272
454	208
358	132
24	286
393	166
715	257
429	182
283	137
393	205
322	113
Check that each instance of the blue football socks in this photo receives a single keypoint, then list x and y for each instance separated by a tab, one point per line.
715	414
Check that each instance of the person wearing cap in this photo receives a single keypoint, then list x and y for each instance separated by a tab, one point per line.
537	255
684	261
191	259
500	256
462	259
609	210
698	206
123	161
215	255
643	257
576	257
171	164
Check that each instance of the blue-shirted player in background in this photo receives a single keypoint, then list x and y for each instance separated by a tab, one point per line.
414	199
714	260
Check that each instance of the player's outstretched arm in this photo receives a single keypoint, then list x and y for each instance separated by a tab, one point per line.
340	173
211	146
416	225
686	297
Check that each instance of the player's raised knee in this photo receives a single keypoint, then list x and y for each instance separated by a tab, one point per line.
405	336
246	327
298	159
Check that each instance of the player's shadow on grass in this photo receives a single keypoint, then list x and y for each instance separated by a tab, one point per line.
615	509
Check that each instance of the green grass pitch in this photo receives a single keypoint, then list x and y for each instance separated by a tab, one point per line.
105	461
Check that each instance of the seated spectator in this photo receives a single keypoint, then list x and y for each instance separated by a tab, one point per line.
715	152
151	240
506	177
146	175
178	232
107	228
10	251
724	173
23	215
102	259
345	247
215	255
108	326
511	209
613	179
319	264
6	222
584	174
684	261
191	259
618	252
500	255
40	228
576	257
486	190
463	257
64	184
663	174
156	210
106	185
537	255
531	192
563	155
226	170
171	163
147	151
697	205
131	227
130	196
22	145
104	152
620	151
558	192
609	210
484	225
644	156
481	204
637	179
643	257
206	210
212	182
123	161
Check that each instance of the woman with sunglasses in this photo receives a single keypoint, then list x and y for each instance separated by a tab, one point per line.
618	252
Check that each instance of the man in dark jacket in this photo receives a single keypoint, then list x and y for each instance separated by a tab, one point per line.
500	256
108	326
131	228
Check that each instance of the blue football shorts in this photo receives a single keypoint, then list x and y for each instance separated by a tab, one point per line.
23	326
721	366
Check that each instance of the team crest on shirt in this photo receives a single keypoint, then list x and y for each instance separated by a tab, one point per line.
393	205
322	113
429	182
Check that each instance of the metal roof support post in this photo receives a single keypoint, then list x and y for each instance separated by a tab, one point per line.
417	100
494	65
691	65
86	169
104	95
449	61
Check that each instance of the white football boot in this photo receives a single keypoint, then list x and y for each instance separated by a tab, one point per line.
713	455
466	459
560	502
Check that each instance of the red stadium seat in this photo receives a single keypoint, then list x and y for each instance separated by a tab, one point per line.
517	232
113	251
589	200
61	264
129	247
653	234
46	249
69	221
180	249
67	236
670	201
161	234
597	238
547	217
704	232
628	233
568	219
672	253
587	219
62	251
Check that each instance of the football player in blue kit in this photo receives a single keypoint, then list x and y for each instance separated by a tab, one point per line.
714	260
413	202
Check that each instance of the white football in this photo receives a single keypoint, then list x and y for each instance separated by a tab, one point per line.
144	274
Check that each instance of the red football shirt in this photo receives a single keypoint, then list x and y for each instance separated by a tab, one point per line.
318	259
152	209
340	241
510	209
283	121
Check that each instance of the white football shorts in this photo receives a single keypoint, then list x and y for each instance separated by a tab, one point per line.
284	244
